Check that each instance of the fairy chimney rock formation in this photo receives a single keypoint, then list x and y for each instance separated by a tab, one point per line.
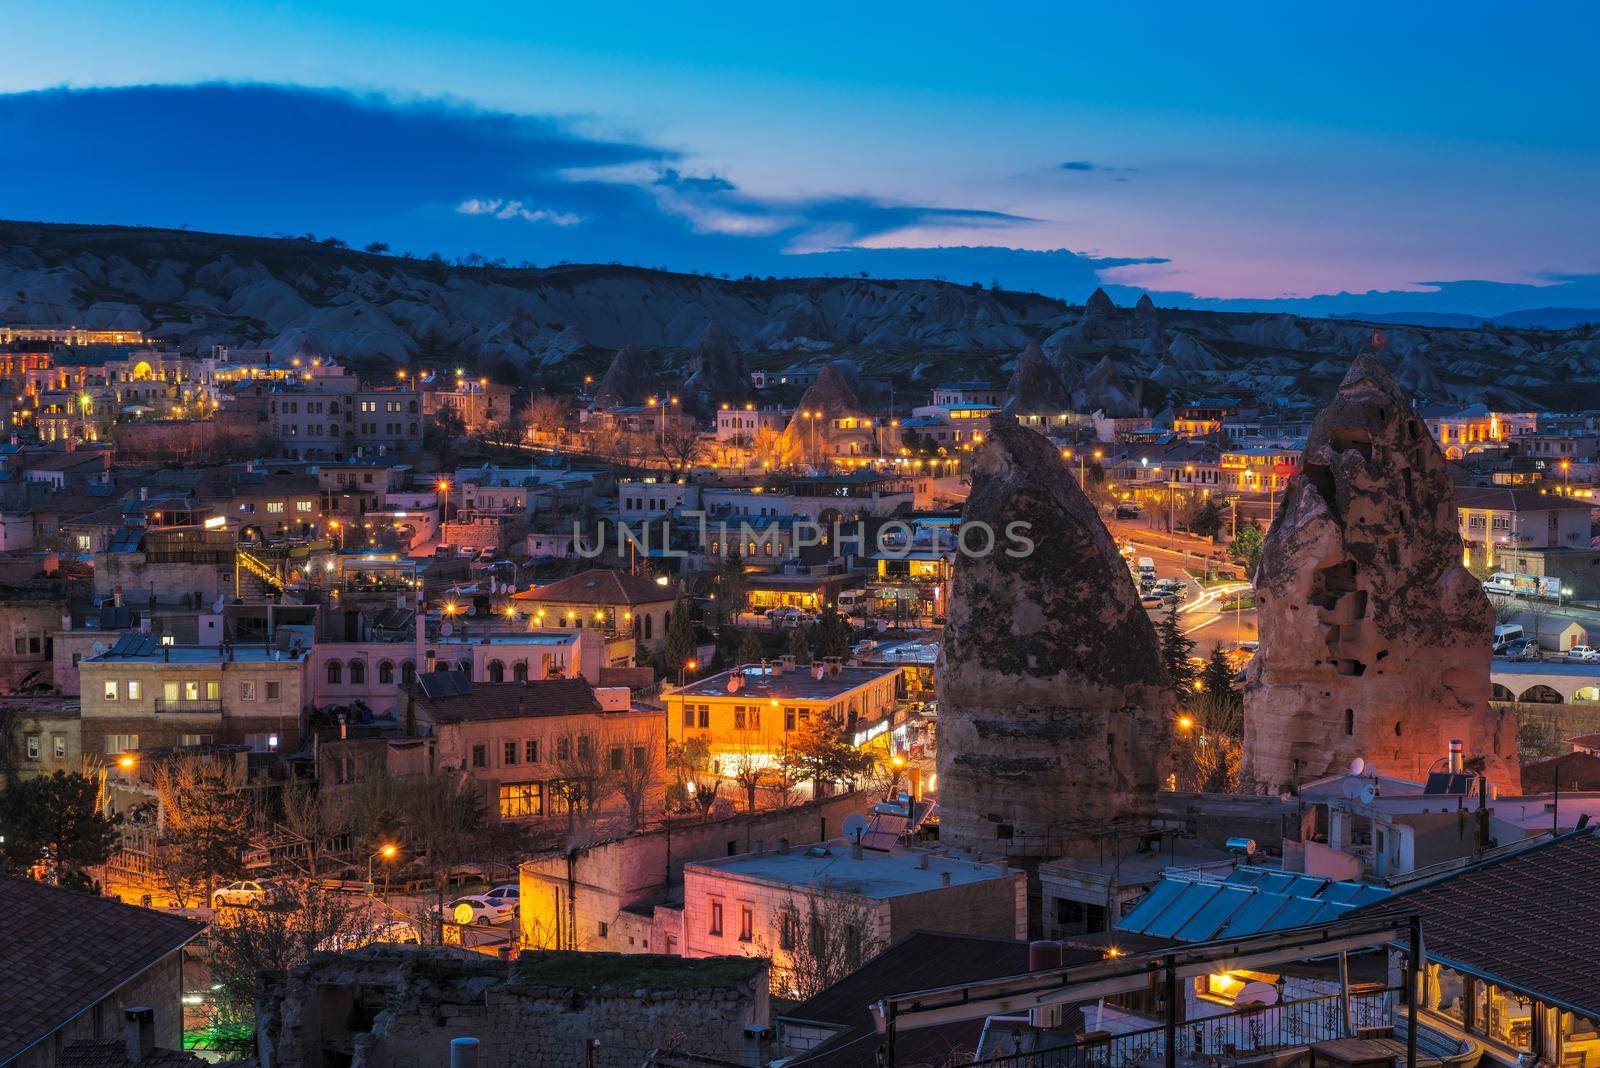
1374	638
1054	709
626	381
1036	388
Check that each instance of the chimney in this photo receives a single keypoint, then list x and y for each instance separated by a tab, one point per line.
463	1053
139	1032
855	848
144	493
816	671
786	662
1456	761
922	862
1043	956
944	878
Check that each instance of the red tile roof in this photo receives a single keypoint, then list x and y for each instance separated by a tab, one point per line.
510	700
1526	920
63	951
600	586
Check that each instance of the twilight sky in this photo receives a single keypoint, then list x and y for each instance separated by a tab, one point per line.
1375	157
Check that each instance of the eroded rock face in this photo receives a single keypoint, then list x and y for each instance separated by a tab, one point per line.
626	381
1054	709
716	370
1035	388
829	398
1374	638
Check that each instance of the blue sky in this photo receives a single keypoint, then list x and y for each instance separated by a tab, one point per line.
1259	156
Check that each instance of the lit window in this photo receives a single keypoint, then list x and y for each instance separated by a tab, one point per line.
519	800
111	690
134	689
715	929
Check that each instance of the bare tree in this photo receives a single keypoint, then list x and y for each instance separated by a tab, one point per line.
823	936
544	417
315	816
583	782
247	942
443	816
680	446
636	772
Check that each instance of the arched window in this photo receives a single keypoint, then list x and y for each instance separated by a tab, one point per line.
413	408
519	671
386	672
335	672
647	628
358	673
497	671
408	672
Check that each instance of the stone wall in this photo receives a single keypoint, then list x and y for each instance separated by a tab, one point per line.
398	1008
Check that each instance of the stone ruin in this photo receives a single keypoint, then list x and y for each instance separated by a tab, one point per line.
1374	637
1054	709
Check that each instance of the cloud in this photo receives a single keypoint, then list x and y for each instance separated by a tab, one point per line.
513	209
1079	165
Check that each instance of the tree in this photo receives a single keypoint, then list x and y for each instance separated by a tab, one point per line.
822	937
56	823
315	816
544	417
1175	647
1208	746
681	643
443	817
583	780
1216	678
679	446
751	648
1205	518
636	771
823	753
376	248
1246	548
799	646
730	584
830	635
252	941
205	820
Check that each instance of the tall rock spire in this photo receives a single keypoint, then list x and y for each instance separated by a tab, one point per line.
626	381
1374	638
1035	387
1054	709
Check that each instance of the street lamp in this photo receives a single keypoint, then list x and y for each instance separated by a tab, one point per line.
688	666
387	851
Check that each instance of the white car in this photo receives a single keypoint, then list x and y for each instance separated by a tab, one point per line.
1583	652
479	908
510	893
247	893
393	931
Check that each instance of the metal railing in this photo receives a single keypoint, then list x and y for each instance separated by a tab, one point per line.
1241	1034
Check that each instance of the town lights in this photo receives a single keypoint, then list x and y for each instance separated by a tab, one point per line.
443	487
662	580
1186	723
127	761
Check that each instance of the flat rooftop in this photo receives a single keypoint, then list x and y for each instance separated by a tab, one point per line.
796	685
200	654
876	875
1132	867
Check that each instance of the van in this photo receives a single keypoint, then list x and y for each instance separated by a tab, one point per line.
1505	634
853	602
1501	582
1128	511
1147	569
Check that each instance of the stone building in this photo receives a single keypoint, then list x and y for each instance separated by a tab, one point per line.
1054	709
398	1007
1374	637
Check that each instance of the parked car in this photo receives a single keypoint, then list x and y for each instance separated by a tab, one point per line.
1152	600
1128	511
510	893
1527	650
479	908
398	932
789	616
1583	652
246	893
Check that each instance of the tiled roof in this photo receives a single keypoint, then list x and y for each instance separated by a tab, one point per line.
600	586
509	700
1506	499
1525	920
63	951
114	1054
922	960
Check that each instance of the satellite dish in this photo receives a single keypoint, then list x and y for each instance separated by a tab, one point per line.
1368	792
855	826
447	628
99	647
1257	993
1357	766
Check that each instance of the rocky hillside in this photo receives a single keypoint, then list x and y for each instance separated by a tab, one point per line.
299	297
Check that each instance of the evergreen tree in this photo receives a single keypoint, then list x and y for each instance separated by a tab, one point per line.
1175	649
681	643
56	821
1216	680
1246	548
751	649
800	647
830	635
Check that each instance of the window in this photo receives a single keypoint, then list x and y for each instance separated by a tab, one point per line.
273	690
191	740
563	749
715	929
530	751
191	689
788	719
275	507
788	929
639	756
121	743
585	747
247	690
386	673
604	929
169	692
35	747
408	672
111	688
688	715
135	690
519	800
358	672
480	756
302	506
58	746
213	690
747	924
705	717
509	752
615	758
738	717
335	672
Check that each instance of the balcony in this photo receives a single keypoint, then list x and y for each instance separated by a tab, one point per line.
211	706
